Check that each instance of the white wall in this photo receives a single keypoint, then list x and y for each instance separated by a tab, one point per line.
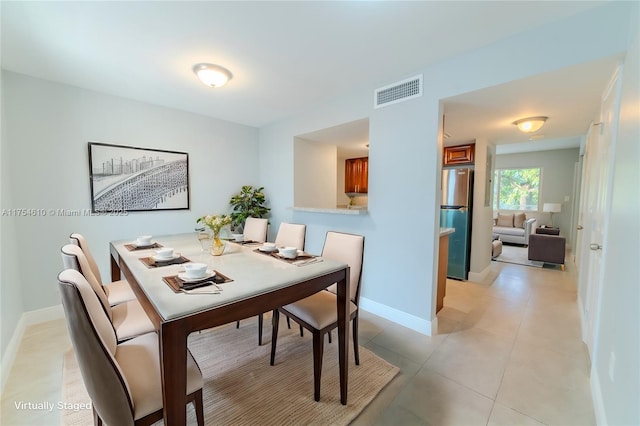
618	329
315	176
45	165
405	155
557	180
11	304
482	222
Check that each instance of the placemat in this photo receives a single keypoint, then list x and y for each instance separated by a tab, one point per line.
244	242
176	283
277	255
134	247
150	263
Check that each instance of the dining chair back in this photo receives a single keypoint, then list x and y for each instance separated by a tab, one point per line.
128	318
81	242
349	249
317	313
291	235
255	229
74	258
117	291
123	381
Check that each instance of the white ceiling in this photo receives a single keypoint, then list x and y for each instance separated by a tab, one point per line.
287	56
570	97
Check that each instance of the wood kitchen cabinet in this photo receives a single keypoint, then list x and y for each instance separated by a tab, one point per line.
356	175
462	154
443	256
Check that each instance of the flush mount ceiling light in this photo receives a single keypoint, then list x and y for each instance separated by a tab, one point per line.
530	124
212	75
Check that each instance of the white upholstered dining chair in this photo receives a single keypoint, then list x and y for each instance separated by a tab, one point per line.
123	380
255	229
128	318
317	313
289	235
117	291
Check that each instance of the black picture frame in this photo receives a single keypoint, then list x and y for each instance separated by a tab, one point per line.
133	179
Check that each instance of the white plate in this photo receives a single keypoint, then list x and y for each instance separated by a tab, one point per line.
267	249
166	259
183	276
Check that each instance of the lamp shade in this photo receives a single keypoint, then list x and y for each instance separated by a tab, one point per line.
212	75
530	124
552	207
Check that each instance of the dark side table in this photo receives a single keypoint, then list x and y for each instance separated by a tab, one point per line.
548	231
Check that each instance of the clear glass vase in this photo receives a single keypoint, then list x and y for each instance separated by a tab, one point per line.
217	245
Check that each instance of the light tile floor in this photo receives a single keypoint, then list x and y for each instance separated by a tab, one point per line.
508	352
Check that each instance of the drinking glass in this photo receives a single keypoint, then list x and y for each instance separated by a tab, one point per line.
205	239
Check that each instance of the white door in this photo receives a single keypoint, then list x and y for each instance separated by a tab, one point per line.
599	202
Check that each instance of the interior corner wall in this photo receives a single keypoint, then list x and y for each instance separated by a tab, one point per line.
46	130
11	304
556	182
403	158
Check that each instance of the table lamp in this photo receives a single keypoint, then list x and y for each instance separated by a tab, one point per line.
551	208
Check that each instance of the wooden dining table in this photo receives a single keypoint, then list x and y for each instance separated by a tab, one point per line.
259	283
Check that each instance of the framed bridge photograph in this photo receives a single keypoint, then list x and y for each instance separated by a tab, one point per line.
128	179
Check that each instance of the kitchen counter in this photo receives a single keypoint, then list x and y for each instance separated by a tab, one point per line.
352	211
446	231
443	258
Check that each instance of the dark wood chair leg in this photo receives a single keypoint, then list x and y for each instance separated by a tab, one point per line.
318	349
356	353
237	324
329	333
289	323
199	406
301	332
97	421
260	322
274	334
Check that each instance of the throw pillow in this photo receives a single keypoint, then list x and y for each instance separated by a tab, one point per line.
505	220
518	220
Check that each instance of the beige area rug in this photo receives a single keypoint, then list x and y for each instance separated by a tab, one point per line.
241	388
517	255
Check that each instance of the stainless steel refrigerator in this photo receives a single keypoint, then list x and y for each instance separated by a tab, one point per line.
455	212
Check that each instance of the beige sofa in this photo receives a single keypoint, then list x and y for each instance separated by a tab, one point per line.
514	228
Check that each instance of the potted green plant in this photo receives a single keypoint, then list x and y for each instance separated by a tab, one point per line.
250	202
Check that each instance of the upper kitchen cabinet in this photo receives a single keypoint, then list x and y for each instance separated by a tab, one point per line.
356	175
457	155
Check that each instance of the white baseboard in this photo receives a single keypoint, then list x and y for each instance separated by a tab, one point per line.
583	322
478	277
26	319
407	320
596	396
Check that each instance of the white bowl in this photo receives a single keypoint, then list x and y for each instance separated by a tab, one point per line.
288	252
164	252
195	270
144	240
238	237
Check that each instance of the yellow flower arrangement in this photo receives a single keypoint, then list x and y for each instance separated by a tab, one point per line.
216	223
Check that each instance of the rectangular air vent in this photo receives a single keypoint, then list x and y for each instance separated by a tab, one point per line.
398	92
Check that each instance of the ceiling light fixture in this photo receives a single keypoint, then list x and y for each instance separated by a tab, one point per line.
530	124
212	75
